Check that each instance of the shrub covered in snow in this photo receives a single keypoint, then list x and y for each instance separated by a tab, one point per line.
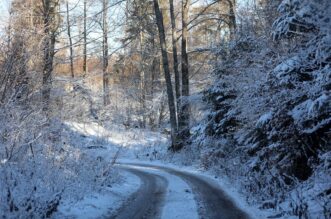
271	112
43	161
41	165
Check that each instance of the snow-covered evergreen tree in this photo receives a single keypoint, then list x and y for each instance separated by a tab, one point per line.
276	93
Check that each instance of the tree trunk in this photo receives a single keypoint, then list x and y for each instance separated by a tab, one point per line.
106	97
9	29
85	40
154	69
48	69
184	121
70	42
31	14
49	13
174	54
171	101
232	18
142	82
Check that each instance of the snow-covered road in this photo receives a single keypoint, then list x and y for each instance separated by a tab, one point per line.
148	200
150	188
170	193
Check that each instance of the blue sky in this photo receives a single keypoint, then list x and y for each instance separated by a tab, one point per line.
4	8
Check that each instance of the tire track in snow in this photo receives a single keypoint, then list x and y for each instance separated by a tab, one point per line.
212	201
147	202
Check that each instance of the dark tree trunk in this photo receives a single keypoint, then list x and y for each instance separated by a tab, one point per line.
184	121
232	18
154	70
174	54
49	15
170	94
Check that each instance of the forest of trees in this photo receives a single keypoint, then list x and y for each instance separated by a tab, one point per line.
239	86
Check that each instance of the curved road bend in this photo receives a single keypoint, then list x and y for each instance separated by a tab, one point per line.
212	202
147	202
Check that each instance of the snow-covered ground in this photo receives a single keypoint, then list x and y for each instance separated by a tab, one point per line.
98	205
132	143
144	147
111	142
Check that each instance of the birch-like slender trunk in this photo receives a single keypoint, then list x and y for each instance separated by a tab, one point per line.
85	40
31	13
70	42
142	81
106	90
